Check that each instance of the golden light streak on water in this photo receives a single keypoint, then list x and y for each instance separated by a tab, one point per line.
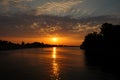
54	53
55	66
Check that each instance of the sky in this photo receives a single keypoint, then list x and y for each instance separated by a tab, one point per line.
67	20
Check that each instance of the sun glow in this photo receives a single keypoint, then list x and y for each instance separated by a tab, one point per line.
54	39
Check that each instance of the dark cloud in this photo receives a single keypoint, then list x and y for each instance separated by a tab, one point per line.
39	26
72	8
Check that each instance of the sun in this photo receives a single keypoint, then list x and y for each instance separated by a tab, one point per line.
54	39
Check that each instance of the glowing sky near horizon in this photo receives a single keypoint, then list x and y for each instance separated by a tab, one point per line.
26	20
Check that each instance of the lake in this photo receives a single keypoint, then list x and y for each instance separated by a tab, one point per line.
55	63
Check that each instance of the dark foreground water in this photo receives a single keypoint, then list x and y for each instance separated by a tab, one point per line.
49	64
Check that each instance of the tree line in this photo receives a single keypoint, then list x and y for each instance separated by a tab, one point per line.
8	45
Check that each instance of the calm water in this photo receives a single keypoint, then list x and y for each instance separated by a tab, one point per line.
48	64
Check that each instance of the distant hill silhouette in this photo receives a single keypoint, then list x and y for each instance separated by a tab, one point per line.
103	49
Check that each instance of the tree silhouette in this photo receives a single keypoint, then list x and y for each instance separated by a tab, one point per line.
92	41
107	38
103	49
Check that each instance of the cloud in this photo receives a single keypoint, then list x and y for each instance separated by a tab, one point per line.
45	26
71	8
34	25
9	7
21	0
7	3
56	8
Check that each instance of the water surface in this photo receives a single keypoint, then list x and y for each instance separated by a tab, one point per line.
57	63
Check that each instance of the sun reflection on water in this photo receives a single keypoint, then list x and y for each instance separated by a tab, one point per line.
55	66
54	53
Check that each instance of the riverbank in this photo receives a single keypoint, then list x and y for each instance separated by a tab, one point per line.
7	45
